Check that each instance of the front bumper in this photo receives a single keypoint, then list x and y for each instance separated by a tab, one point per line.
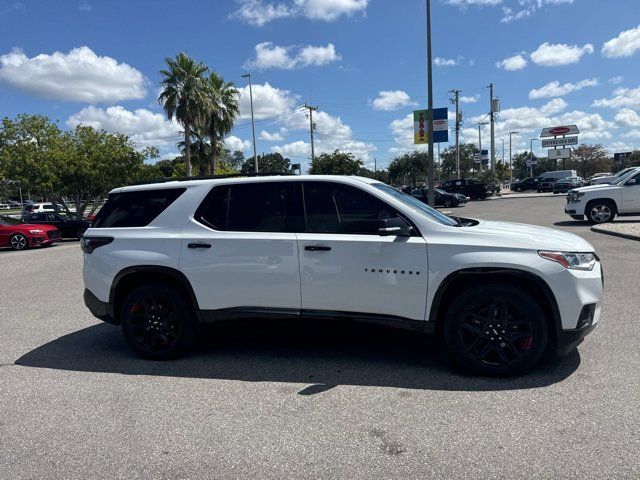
569	339
98	308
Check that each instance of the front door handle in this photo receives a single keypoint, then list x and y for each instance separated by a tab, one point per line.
317	248
199	245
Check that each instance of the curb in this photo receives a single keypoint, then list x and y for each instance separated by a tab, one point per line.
613	233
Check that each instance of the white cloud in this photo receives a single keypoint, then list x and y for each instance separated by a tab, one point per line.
268	101
402	129
553	55
616	80
260	12
444	62
144	127
269	55
511	16
472	99
554	89
79	75
517	62
622	97
293	149
271	137
85	7
627	118
631	134
235	144
392	100
624	45
467	3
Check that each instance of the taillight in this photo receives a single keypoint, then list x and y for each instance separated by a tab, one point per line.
89	244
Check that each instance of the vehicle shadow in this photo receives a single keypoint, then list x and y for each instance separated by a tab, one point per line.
318	354
572	223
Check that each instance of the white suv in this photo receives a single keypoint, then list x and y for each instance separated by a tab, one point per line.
601	203
161	259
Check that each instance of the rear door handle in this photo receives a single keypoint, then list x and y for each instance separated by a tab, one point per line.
317	248
199	245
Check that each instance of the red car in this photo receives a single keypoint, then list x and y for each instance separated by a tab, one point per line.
18	235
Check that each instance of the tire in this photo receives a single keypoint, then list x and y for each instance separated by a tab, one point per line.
518	189
600	211
578	217
517	330
539	191
446	203
80	232
18	242
158	321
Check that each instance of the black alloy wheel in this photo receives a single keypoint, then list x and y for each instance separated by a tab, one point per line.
447	203
158	322
495	330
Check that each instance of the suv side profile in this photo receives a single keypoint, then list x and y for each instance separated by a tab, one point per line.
162	259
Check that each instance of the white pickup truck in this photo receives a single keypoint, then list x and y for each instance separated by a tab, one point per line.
601	203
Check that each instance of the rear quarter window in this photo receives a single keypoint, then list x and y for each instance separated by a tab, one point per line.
135	209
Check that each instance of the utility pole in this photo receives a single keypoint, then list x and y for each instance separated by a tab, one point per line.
311	127
456	101
493	140
510	159
375	168
531	162
502	140
480	125
253	123
430	191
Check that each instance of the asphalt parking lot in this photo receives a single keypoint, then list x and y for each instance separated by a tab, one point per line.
269	401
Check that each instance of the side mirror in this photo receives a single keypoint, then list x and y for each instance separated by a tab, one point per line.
394	226
632	181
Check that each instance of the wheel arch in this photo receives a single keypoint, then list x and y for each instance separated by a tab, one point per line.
531	283
602	199
128	278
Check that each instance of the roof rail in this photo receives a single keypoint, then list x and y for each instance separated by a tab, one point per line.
213	177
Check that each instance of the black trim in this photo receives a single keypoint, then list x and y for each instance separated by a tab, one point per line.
224	314
442	288
387	320
99	309
569	339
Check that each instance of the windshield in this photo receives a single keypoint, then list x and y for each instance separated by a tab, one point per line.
8	221
626	176
416	205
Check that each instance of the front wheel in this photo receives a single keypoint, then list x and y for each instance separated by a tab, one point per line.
447	203
19	242
600	211
158	321
495	329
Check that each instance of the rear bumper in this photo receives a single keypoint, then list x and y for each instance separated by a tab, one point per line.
98	308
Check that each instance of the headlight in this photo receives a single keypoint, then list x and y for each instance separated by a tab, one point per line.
571	260
36	231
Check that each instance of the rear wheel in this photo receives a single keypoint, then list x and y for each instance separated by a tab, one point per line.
158	321
495	329
447	203
18	242
600	211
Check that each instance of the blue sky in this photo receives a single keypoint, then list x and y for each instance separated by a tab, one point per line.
362	62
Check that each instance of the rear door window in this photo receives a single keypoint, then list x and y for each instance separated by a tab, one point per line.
253	207
135	209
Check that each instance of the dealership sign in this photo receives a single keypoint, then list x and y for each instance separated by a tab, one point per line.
440	126
559	142
560	153
559	131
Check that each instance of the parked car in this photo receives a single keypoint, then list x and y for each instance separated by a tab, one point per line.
529	183
161	258
30	208
441	198
466	186
546	184
610	178
602	203
19	235
69	226
563	186
559	174
5	206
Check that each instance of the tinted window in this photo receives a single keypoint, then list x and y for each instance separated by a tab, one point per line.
253	207
337	208
135	209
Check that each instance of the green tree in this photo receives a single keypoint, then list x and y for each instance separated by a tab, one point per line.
269	163
590	159
448	160
184	96
220	112
411	168
336	163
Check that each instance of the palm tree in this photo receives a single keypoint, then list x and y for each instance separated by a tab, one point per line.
183	95
199	151
221	110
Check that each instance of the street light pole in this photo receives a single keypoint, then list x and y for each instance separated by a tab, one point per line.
510	159
253	124
531	162
480	125
430	186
